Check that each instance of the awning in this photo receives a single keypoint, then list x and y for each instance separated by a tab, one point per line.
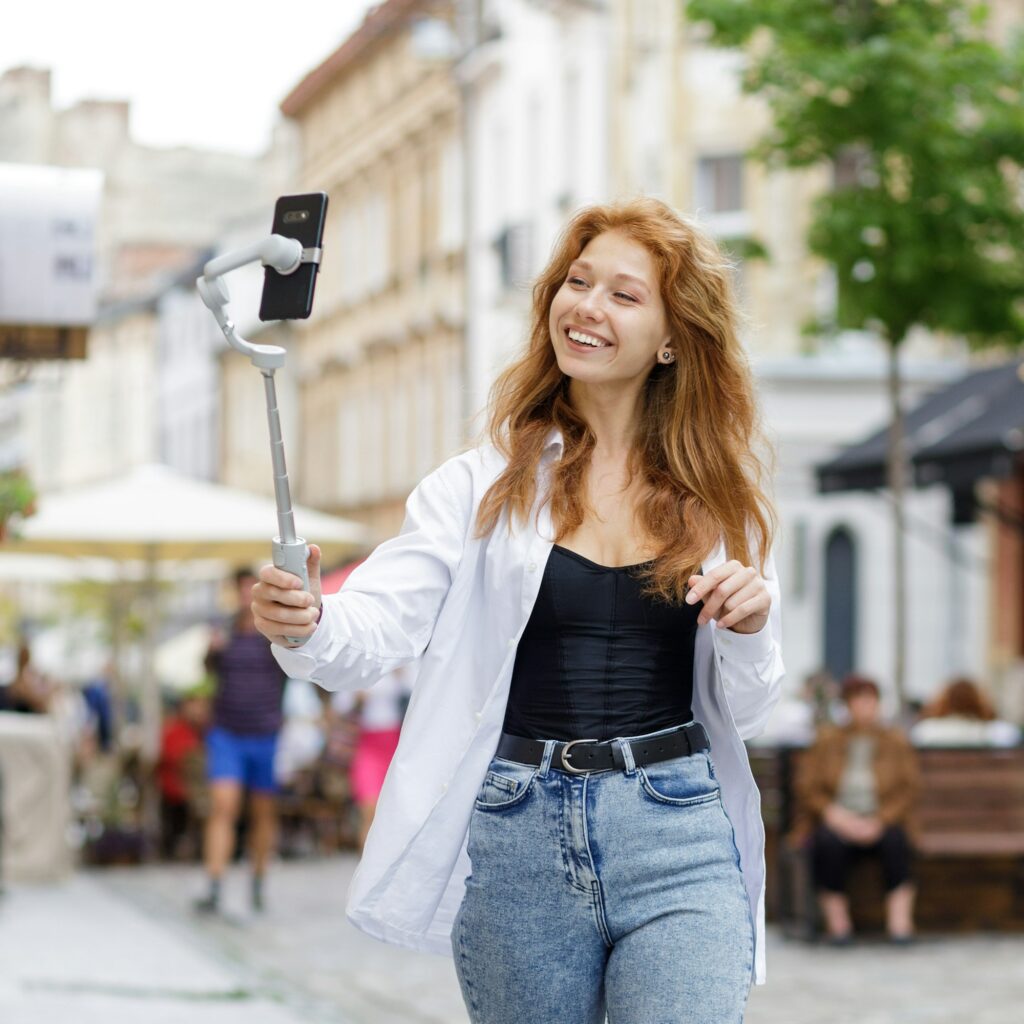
971	429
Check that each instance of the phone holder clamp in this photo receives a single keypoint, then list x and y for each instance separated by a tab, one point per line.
285	255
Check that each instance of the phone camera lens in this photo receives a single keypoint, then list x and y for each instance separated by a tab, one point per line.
293	216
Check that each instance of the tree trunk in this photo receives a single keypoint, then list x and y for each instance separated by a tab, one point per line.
897	475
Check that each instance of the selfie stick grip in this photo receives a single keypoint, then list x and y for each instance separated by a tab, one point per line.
291	557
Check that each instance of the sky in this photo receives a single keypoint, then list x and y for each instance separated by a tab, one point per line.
205	73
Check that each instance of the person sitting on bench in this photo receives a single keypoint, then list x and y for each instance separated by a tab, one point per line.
855	795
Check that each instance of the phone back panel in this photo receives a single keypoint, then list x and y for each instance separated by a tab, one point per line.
290	296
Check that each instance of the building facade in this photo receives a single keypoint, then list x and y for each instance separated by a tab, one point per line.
78	421
380	362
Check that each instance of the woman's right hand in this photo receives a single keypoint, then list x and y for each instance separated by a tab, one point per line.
280	609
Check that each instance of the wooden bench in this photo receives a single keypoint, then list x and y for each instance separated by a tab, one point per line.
969	864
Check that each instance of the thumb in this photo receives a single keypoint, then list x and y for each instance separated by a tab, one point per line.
313	571
313	562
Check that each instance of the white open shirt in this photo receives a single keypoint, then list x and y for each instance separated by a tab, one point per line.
462	603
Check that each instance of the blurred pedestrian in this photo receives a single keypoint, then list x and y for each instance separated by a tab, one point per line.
29	692
181	748
379	712
240	747
570	811
856	790
962	716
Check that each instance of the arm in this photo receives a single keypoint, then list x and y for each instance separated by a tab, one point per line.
385	613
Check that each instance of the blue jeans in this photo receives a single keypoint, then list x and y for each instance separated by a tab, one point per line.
612	892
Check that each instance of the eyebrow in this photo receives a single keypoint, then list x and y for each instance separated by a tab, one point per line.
623	277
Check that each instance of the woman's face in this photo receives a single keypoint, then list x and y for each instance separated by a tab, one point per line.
610	296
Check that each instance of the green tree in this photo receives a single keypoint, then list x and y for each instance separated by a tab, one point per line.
17	500
920	114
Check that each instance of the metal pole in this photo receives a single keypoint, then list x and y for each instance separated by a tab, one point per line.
282	492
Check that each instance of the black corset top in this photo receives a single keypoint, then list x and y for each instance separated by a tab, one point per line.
599	658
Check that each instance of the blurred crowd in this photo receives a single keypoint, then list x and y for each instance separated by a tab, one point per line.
252	763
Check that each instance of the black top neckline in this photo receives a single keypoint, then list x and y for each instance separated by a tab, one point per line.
598	565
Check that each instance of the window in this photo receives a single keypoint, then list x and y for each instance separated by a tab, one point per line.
852	167
424	422
377	252
720	184
349	470
451	227
840	602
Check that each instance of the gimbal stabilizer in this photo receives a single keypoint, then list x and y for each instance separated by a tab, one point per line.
285	255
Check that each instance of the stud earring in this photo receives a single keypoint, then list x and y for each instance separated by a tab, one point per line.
668	356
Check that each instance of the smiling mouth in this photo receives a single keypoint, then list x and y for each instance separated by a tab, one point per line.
582	341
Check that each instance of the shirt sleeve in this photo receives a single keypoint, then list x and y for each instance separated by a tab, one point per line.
384	615
750	664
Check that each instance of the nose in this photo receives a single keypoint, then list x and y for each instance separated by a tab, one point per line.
588	307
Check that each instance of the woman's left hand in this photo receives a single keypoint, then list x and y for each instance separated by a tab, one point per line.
738	590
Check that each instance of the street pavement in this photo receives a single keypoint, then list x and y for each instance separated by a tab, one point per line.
123	945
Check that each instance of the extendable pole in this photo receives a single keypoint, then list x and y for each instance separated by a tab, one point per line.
285	255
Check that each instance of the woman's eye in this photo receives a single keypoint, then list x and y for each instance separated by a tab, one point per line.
626	296
576	280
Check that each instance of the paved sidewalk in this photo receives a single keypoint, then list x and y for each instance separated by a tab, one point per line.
80	953
124	946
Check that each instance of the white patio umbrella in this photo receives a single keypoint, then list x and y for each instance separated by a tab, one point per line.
180	660
156	514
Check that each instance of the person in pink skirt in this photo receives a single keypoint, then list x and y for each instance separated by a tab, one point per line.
380	711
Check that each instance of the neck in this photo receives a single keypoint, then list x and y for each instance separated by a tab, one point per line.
611	413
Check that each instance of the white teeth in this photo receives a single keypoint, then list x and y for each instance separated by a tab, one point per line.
585	339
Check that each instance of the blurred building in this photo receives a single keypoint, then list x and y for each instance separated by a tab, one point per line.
380	361
451	167
243	436
681	130
77	421
535	93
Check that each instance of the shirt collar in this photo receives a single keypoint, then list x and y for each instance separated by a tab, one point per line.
554	440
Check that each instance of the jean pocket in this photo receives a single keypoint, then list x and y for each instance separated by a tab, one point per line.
505	785
682	781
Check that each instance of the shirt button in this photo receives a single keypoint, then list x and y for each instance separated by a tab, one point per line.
512	642
532	567
444	788
478	715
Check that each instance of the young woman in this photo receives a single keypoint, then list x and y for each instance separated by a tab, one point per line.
570	811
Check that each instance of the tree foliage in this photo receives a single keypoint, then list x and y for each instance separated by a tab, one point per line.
922	117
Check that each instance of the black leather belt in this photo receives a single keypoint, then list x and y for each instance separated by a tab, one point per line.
578	756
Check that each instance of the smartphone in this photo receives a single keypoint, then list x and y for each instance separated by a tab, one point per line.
290	296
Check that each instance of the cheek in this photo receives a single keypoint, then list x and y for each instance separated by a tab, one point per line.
560	305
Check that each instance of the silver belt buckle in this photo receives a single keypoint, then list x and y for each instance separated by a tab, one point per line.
565	751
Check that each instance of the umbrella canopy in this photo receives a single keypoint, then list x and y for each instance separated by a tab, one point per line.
156	513
179	661
972	428
331	583
54	569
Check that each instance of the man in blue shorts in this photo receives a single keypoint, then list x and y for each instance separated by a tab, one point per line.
240	747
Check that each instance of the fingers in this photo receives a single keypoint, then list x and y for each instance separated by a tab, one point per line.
740	606
277	586
729	586
280	630
280	608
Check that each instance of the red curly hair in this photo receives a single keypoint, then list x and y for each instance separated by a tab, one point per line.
699	424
